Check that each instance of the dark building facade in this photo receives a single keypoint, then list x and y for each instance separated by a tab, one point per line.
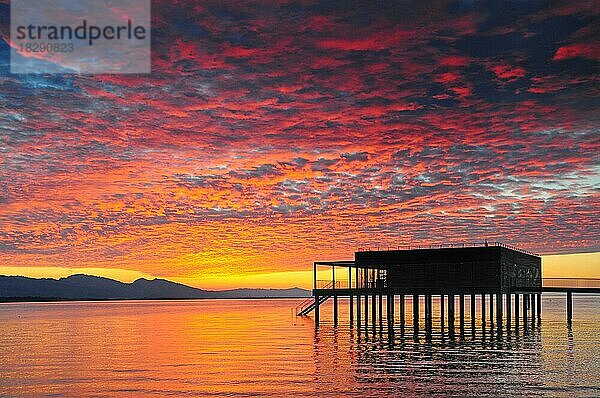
462	270
499	274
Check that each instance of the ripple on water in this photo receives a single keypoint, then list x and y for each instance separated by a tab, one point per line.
255	348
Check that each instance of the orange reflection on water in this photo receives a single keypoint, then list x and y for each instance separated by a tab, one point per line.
258	348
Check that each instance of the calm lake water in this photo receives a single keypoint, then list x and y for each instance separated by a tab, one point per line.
257	348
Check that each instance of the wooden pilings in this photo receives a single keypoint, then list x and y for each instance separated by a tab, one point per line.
499	310
373	310
317	298
517	310
366	311
390	310
473	313
380	302
416	312
506	310
335	298
428	312
358	310
569	307
442	312
533	304
351	298
357	284
402	315
335	310
451	313
483	310
525	308
491	310
461	311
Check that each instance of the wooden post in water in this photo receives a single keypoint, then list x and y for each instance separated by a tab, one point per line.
499	309
425	311
539	306
350	298
483	310
442	312
316	310
379	297
416	313
431	311
373	310
428	312
525	305
380	309
473	313
569	306
335	299
533	309
358	310
358	315
451	314
491	310
508	310
402	316
390	310
517	311
366	311
461	311
356	283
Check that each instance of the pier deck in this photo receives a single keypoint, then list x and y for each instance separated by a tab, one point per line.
503	275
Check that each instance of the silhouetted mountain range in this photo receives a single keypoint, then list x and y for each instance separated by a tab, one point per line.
86	287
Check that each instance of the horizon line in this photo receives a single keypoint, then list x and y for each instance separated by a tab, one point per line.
152	279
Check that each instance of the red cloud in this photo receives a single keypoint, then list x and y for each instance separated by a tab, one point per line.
455	61
507	72
379	40
252	131
591	51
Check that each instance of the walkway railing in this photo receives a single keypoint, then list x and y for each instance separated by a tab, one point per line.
328	284
546	282
445	245
571	282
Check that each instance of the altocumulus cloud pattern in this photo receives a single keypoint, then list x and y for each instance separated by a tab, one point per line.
270	130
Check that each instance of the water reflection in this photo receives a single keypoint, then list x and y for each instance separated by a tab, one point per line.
227	348
523	359
433	363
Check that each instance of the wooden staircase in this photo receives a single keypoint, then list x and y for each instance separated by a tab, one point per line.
309	304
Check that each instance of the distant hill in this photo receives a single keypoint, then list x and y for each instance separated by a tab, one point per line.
86	287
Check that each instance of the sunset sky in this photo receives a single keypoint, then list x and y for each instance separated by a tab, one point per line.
271	134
